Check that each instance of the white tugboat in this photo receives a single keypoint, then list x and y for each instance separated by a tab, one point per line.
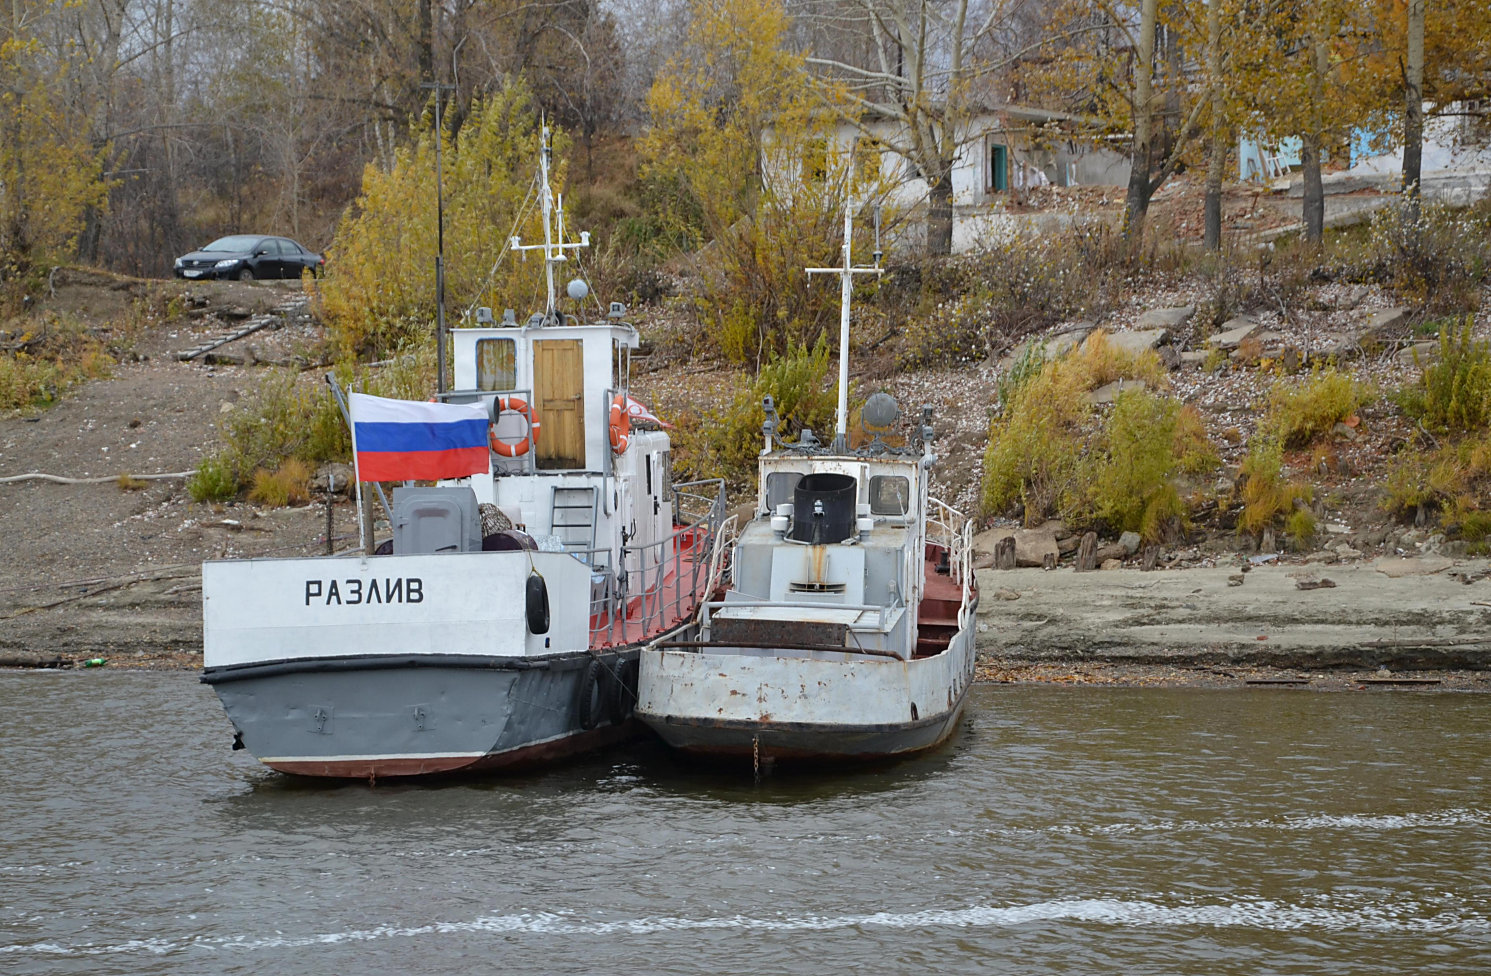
504	626
846	631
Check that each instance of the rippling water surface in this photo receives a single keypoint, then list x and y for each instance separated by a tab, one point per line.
1063	831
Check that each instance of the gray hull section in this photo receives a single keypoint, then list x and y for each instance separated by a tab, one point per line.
804	741
376	718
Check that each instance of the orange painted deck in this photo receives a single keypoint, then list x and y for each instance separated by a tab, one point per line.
937	617
671	602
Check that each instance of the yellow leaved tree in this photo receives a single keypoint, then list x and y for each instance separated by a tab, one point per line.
755	150
49	174
379	289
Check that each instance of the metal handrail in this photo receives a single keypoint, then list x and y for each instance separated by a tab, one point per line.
687	554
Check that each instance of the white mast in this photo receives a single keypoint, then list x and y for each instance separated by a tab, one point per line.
554	244
846	273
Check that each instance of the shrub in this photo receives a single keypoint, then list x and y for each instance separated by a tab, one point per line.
1300	527
1148	442
288	416
1439	262
56	352
289	484
1000	296
1133	487
1450	480
1300	412
755	297
1027	365
1454	393
1194	451
1035	444
1266	494
1049	454
1100	362
725	443
214	480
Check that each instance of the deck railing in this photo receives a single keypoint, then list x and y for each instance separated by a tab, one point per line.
947	527
669	578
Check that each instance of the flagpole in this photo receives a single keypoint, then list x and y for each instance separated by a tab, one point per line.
362	538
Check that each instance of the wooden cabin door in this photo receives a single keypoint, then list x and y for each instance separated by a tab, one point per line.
559	389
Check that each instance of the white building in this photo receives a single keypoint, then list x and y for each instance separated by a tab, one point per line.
1007	151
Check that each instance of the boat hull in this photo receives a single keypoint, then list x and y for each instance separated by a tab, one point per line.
384	717
813	742
803	705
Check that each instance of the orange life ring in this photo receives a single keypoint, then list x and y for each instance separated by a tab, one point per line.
621	424
519	448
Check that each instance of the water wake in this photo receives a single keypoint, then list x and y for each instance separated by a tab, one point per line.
1403	916
1464	817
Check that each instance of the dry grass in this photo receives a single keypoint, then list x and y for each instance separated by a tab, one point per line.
289	484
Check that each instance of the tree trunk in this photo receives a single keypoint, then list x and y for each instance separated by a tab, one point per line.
940	215
1413	115
1136	205
1216	162
1312	142
1314	197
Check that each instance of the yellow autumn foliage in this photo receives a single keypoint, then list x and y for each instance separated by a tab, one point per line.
753	153
379	288
50	175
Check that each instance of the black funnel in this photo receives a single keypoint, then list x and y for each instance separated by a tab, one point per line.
823	508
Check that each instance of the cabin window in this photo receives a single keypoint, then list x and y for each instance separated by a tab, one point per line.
665	472
779	488
496	364
890	495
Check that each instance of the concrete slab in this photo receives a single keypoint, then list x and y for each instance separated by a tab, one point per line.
1368	619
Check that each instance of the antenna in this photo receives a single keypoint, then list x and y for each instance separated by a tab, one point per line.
554	244
846	273
439	241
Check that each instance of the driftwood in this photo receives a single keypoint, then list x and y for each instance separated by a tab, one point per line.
26	662
61	480
1048	561
1087	552
1004	553
1149	557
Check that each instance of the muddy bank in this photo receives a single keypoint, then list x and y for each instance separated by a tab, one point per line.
1401	614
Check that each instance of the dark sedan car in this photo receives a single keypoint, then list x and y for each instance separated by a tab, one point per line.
249	256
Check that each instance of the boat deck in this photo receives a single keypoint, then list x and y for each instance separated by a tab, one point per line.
937	618
672	602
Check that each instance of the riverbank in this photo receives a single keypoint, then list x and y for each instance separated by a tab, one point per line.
1392	623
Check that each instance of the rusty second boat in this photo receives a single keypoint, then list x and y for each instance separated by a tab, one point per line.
846	630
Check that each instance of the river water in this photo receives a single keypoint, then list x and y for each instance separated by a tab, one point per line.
1064	831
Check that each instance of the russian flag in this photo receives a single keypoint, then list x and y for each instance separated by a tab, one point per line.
408	440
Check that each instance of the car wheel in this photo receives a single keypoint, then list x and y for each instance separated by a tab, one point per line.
246	274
